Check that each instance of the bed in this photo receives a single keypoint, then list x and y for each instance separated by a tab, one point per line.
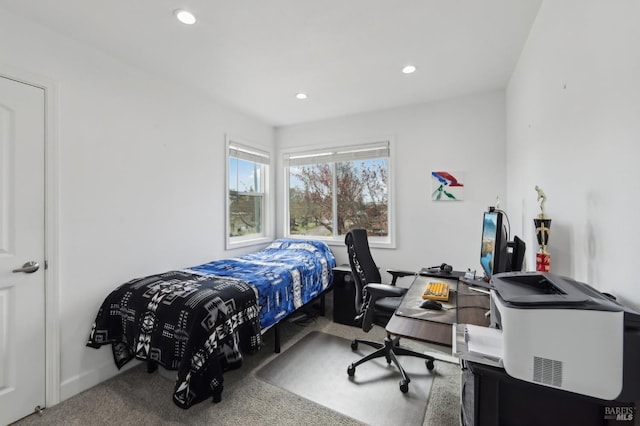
200	320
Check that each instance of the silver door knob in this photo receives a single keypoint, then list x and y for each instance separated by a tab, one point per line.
30	267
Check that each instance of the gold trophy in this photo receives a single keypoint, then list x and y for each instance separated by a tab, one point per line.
543	228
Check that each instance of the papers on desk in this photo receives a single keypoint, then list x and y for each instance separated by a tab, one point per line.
479	344
484	340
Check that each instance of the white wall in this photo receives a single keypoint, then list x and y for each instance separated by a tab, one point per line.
141	179
464	134
573	108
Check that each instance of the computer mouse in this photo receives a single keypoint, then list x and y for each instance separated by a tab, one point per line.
431	304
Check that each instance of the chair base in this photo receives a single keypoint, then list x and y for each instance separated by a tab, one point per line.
390	350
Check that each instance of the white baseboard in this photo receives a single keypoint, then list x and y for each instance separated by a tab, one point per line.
89	379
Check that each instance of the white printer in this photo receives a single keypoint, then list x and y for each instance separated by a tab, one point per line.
557	332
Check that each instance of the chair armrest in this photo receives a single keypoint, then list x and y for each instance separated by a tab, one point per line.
374	292
378	291
395	274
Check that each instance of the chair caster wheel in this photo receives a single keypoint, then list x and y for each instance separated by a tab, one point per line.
354	345
351	370
404	386
430	365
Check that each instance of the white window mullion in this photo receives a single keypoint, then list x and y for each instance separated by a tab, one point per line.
334	201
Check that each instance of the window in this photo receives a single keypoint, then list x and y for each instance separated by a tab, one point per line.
334	190
247	203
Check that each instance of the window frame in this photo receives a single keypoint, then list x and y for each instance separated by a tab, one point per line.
335	153
248	151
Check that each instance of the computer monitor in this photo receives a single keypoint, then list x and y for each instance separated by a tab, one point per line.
493	252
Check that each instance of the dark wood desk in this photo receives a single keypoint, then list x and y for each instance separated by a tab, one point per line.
465	306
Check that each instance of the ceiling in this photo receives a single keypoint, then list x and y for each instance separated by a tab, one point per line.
347	55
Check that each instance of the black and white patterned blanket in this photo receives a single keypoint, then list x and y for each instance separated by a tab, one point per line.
198	325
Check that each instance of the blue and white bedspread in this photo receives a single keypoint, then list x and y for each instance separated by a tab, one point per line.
285	275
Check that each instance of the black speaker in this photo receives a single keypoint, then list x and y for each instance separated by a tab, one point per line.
344	294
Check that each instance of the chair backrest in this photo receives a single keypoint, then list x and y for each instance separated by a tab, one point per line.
363	268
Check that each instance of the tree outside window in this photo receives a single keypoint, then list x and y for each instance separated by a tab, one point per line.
359	179
245	197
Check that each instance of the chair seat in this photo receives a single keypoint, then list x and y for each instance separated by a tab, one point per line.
384	309
388	304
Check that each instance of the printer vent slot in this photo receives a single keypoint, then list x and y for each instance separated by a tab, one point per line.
547	371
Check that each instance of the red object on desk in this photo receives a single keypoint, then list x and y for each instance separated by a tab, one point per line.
543	262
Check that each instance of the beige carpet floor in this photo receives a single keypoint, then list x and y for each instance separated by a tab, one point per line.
135	397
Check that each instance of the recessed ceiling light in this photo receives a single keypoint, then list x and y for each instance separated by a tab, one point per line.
185	17
301	96
408	69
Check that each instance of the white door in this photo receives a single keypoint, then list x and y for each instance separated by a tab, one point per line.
22	301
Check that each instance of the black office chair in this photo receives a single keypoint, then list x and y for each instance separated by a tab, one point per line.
376	303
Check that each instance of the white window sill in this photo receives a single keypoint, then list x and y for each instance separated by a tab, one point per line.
385	243
240	242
